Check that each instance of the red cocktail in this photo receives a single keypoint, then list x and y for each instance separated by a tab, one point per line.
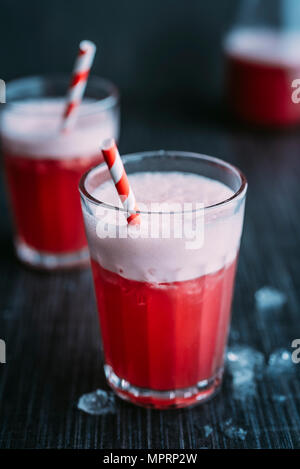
43	165
164	304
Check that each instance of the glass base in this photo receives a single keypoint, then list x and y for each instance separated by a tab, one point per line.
48	261
175	399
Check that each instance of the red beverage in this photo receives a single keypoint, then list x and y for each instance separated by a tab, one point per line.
261	66
43	166
164	305
171	335
49	187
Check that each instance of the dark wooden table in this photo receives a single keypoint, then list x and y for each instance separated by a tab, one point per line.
50	325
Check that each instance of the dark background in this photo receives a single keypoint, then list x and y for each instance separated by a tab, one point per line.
166	58
150	49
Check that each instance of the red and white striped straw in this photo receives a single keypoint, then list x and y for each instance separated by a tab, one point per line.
83	63
118	174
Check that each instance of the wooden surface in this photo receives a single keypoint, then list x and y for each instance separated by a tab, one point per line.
50	325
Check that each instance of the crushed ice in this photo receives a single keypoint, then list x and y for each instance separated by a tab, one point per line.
98	402
280	363
233	431
245	365
269	298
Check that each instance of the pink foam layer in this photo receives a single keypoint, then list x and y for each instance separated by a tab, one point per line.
264	45
33	128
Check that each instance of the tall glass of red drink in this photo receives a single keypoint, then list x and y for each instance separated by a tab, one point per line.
164	287
43	165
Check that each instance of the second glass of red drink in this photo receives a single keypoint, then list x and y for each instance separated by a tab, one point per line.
43	165
164	287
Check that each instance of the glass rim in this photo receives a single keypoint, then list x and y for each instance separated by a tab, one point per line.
109	101
238	194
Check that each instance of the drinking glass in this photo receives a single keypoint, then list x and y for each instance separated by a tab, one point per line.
43	165
164	305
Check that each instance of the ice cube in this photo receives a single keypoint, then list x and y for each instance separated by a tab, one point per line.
234	335
233	431
246	365
98	402
236	433
244	356
280	362
241	358
279	398
269	298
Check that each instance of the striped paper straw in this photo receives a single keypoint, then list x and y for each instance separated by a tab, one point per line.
118	174
83	63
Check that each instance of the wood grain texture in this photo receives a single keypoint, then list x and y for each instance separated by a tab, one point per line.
50	324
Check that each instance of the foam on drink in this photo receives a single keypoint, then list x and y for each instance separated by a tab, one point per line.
148	259
32	128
